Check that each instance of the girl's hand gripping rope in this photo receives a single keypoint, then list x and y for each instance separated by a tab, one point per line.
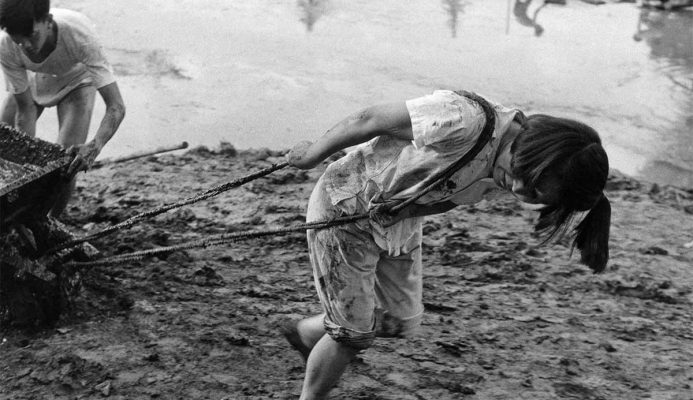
383	215
297	156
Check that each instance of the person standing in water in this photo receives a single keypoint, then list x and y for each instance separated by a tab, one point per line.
52	57
368	274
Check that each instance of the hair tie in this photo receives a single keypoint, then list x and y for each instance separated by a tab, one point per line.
521	119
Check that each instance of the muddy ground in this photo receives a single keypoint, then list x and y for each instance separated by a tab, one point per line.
505	319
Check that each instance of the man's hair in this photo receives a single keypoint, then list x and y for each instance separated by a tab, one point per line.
18	16
570	153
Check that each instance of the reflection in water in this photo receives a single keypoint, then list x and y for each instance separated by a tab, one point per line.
670	38
311	11
454	7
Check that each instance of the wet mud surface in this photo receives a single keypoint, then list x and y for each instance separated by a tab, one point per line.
505	319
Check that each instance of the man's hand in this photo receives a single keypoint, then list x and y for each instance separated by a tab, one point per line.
85	154
297	156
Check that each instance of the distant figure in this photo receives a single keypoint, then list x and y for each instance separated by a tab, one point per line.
670	37
53	58
651	25
443	150
521	8
520	11
454	8
312	11
667	4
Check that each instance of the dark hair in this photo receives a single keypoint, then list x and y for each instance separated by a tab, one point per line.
570	155
18	16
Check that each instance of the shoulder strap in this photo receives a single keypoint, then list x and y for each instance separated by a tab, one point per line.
481	141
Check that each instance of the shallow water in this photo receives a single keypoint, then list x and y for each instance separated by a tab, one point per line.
268	73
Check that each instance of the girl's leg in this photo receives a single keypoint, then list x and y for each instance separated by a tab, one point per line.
304	334
74	117
344	260
311	330
326	364
399	289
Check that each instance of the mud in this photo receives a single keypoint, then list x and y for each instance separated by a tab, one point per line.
505	319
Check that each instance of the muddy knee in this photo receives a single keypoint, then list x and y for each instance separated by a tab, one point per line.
351	338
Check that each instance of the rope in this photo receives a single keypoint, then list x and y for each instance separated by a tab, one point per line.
167	207
224	238
481	142
217	240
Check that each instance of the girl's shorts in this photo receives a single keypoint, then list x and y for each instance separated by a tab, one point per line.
363	290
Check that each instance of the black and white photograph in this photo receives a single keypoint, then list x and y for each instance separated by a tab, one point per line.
346	199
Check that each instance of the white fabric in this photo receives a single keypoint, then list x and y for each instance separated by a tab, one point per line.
445	126
362	290
78	59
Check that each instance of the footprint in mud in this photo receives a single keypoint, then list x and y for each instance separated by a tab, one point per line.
206	276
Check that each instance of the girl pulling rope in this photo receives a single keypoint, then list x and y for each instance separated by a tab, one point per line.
368	273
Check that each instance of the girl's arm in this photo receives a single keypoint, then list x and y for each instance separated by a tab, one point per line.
386	119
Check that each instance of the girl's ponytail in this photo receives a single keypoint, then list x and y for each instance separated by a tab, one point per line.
566	158
592	235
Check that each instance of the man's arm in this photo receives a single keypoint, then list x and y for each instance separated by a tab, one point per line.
26	113
386	119
115	112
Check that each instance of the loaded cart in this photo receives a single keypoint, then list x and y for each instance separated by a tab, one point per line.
34	288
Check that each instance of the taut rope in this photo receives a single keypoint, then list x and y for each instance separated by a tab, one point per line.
167	207
217	240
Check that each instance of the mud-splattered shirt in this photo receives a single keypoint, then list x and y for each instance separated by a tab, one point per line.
77	59
445	127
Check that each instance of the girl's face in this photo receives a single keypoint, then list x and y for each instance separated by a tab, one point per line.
546	192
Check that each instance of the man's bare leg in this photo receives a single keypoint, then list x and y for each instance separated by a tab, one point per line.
74	117
8	110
